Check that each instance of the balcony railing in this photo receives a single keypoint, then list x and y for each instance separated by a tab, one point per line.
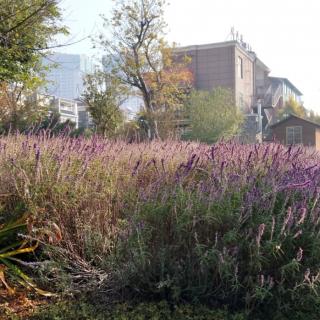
276	95
269	95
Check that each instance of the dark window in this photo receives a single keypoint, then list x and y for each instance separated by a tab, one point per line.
294	135
240	67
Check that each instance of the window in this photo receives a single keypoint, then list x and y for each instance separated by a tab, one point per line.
240	101
294	135
240	67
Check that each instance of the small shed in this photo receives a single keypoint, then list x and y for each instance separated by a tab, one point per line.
296	130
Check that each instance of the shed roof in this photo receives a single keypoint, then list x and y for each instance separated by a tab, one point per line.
296	117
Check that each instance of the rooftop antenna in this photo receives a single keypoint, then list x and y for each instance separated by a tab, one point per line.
236	36
232	33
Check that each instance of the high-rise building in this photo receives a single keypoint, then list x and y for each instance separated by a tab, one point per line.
66	73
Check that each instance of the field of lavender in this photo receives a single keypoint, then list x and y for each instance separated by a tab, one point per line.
228	226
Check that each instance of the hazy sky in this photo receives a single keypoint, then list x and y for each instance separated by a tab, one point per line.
284	33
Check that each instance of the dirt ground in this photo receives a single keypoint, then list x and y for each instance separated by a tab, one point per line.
19	305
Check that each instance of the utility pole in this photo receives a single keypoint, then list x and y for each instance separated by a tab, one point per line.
259	133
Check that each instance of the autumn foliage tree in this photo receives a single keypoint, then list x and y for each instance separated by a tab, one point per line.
292	107
313	116
143	60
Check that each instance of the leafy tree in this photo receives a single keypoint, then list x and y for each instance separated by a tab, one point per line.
19	108
213	115
104	95
142	59
292	107
26	29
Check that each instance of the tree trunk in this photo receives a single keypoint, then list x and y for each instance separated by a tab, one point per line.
153	132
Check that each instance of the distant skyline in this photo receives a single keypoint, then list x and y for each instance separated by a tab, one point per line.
65	80
283	33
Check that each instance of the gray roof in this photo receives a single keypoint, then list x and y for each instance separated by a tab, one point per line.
251	55
288	83
262	65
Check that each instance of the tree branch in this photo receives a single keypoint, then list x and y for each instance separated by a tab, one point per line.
45	5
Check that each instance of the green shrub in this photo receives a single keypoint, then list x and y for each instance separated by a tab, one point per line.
143	311
197	251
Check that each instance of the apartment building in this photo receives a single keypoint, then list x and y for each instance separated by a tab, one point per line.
67	108
233	65
85	120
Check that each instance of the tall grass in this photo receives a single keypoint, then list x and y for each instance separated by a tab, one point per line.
226	225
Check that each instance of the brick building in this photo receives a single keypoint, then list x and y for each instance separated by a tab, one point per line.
233	65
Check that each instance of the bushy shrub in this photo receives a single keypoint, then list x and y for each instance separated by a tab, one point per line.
213	115
224	225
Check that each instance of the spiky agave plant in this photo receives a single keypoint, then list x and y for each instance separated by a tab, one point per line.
12	245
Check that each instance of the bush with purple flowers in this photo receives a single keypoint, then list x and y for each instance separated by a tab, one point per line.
227	225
